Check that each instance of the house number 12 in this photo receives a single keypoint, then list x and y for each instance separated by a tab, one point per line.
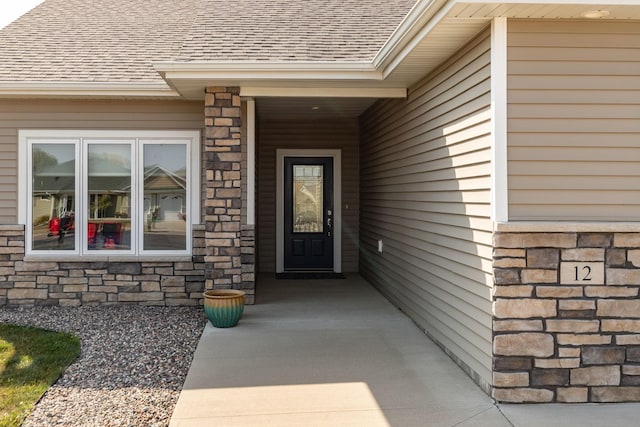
583	274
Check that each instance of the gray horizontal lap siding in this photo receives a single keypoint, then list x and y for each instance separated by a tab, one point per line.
425	192
70	114
574	120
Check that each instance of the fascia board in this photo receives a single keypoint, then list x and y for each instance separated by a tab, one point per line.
86	89
267	71
264	65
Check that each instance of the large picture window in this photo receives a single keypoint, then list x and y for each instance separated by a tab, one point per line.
124	193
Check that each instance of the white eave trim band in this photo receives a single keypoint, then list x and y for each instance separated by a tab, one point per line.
323	92
257	66
86	89
269	71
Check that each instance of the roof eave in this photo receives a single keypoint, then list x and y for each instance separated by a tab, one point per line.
402	60
411	31
427	16
273	78
404	37
267	70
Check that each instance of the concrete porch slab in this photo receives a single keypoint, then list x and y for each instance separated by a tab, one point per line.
326	352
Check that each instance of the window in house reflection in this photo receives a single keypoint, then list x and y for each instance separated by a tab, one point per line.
109	225
165	197
53	187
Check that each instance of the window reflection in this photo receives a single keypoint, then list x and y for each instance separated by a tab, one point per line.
109	191
308	198
53	196
165	197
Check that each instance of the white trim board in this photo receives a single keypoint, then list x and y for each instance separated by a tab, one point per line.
337	202
251	161
324	92
499	173
86	89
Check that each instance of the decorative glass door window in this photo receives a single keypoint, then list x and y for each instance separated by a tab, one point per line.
129	196
308	190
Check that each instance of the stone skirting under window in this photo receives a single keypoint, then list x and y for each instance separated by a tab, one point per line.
566	314
72	283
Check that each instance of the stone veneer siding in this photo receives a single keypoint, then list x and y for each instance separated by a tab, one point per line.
566	314
226	240
247	249
72	283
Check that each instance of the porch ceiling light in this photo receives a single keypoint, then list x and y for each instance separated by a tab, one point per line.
595	14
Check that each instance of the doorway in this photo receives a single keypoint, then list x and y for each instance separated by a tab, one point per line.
308	214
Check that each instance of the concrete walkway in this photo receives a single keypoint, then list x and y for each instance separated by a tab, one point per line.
337	353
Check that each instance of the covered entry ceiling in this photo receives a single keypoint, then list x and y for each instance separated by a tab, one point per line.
311	107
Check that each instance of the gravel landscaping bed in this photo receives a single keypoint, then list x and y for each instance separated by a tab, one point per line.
133	363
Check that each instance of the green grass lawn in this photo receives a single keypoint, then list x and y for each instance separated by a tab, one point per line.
31	360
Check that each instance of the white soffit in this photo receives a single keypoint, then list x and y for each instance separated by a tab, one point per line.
311	108
442	41
562	9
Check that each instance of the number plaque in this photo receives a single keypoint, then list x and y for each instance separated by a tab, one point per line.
582	273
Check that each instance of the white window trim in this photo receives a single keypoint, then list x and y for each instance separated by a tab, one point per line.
337	202
79	137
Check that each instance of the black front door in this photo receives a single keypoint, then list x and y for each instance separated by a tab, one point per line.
308	213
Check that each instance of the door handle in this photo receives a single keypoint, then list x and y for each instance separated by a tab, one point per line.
329	221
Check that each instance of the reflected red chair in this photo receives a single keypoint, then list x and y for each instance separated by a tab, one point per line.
92	229
54	226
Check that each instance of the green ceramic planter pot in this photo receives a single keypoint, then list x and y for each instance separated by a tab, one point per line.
224	307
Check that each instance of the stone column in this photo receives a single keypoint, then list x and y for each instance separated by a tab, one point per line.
223	201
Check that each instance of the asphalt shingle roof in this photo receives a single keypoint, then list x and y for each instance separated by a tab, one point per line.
286	30
94	40
119	40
